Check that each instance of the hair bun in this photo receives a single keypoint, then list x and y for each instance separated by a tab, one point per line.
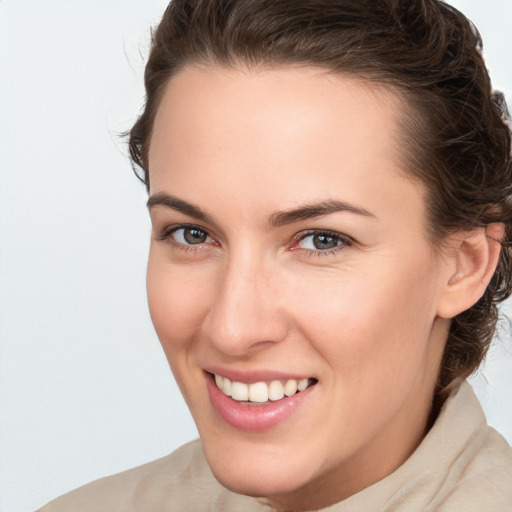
499	100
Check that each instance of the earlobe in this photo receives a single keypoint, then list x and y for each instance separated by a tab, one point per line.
473	261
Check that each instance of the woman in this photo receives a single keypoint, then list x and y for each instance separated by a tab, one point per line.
329	188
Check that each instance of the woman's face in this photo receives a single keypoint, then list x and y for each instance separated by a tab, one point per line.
289	249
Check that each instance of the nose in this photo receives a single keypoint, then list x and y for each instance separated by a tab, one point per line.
246	314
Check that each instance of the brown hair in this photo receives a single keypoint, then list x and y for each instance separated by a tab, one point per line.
456	139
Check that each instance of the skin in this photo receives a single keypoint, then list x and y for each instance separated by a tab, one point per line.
362	318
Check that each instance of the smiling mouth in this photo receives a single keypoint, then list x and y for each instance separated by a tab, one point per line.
258	393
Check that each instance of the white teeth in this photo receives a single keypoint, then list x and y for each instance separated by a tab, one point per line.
303	384
290	388
260	392
240	391
275	390
226	386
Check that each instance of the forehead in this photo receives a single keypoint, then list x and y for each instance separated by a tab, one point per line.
257	133
200	98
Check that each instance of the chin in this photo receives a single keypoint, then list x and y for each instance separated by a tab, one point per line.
258	477
256	484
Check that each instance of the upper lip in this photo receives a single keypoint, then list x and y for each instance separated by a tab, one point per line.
252	376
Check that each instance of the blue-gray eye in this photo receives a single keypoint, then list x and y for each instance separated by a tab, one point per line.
320	241
191	236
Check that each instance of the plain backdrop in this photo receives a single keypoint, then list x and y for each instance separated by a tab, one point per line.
85	390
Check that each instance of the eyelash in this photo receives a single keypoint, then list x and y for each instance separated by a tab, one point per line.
167	236
343	240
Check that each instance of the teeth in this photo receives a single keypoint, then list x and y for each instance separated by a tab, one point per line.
239	391
290	387
275	390
260	392
303	384
226	386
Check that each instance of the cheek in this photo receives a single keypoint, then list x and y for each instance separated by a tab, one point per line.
373	323
176	304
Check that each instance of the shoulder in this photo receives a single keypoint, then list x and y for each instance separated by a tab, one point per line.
172	483
479	476
462	464
484	476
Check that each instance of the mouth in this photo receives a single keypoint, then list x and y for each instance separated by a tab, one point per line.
262	392
259	405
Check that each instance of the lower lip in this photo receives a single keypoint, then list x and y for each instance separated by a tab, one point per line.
254	418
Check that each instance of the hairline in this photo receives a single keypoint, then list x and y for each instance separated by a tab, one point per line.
406	134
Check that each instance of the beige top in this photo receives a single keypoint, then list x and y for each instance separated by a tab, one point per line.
462	465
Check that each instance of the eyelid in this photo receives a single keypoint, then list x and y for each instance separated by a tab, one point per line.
165	235
329	232
345	241
169	230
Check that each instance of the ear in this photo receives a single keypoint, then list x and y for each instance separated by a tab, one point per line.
471	263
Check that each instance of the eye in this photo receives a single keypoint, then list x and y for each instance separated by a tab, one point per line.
185	235
322	241
191	235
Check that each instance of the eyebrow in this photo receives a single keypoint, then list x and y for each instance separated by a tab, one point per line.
311	211
306	212
163	199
